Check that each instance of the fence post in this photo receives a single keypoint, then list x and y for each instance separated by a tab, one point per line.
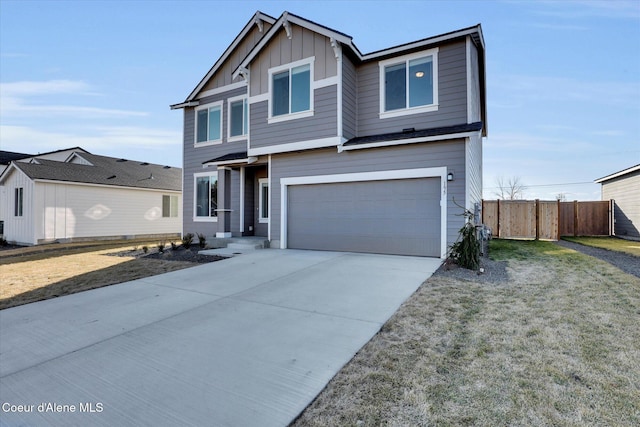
537	219
559	218
612	219
498	219
575	218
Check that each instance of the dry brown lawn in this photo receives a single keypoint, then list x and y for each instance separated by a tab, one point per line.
39	274
611	243
557	344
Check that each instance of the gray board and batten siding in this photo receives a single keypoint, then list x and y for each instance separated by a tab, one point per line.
449	154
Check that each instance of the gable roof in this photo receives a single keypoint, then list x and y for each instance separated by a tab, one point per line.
7	157
255	19
103	170
618	174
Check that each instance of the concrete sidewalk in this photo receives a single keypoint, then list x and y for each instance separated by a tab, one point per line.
246	341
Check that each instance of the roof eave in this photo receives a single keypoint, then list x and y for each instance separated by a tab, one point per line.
618	174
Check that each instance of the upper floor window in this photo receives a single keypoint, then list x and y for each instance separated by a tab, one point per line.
209	124
238	112
409	84
291	95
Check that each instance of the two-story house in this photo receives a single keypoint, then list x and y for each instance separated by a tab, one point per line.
297	136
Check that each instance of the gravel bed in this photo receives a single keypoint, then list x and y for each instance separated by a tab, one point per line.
628	263
495	272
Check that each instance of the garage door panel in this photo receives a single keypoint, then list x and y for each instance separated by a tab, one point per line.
392	217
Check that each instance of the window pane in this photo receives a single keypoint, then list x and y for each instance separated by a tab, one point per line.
174	207
280	94
264	199
245	129
214	123
300	88
237	118
166	206
201	120
202	196
395	87
421	82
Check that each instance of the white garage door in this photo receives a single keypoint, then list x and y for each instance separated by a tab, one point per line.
398	216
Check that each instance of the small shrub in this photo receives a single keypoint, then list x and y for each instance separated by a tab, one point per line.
174	246
202	240
187	240
466	250
3	242
161	246
145	249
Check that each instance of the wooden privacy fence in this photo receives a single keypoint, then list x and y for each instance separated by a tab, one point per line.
550	220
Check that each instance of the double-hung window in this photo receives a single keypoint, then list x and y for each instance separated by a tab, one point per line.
169	206
409	84
291	94
209	124
19	202
238	113
206	196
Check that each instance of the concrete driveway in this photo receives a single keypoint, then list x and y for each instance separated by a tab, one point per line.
245	341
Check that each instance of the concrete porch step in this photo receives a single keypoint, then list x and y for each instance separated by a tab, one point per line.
235	245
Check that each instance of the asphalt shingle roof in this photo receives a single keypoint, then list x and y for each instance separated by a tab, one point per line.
412	133
7	157
106	171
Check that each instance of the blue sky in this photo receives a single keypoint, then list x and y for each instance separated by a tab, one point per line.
563	77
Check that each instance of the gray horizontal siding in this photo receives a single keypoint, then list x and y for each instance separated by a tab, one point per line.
626	193
323	123
194	156
328	161
452	96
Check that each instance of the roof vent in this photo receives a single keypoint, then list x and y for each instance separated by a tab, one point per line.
121	160
144	164
407	130
111	177
166	167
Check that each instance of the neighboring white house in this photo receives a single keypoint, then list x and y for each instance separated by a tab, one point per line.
81	196
624	188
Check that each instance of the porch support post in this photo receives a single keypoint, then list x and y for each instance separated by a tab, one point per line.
224	202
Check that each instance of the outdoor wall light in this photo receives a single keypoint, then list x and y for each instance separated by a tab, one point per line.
450	176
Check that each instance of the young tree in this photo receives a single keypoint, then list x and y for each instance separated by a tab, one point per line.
510	189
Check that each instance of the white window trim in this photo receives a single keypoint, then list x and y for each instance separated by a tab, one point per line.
300	114
195	124
244	136
197	218
409	110
261	182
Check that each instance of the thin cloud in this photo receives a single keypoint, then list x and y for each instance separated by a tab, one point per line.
26	139
39	88
21	99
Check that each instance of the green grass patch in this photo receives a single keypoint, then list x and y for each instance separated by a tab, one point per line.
609	243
